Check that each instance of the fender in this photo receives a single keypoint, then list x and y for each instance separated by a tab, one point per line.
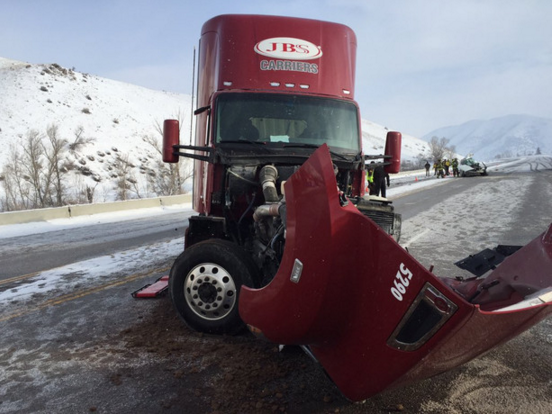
371	314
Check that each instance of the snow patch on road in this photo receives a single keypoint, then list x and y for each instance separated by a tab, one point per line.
93	272
456	227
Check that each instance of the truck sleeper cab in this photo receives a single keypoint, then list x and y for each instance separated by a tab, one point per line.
265	104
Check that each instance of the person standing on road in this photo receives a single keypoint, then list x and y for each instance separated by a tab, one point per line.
380	180
370	179
439	169
427	167
455	165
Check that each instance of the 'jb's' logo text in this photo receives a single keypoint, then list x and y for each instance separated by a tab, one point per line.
288	48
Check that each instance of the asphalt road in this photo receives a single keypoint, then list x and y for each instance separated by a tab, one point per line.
43	251
94	349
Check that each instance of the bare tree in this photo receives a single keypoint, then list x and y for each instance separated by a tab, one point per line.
179	116
33	165
80	191
17	190
123	175
80	140
54	155
35	174
440	149
167	179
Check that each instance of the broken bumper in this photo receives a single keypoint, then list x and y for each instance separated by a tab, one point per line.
371	314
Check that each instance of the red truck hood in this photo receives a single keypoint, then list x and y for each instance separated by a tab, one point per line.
372	315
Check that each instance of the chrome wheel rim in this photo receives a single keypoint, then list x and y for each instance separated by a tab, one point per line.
210	291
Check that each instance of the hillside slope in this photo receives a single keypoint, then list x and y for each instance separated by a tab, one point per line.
115	116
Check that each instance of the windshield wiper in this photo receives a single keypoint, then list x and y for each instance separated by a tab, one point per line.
242	141
335	154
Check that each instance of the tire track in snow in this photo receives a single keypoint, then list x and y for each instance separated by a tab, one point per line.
466	223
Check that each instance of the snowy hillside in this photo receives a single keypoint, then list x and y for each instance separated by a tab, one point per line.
373	142
114	116
508	136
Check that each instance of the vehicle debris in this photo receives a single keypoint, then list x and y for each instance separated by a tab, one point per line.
469	167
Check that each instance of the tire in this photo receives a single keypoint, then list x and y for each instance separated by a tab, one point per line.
205	282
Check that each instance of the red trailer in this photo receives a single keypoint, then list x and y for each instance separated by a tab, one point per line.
280	186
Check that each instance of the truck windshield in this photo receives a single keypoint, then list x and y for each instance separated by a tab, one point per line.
287	119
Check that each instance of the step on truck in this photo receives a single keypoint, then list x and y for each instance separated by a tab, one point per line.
287	241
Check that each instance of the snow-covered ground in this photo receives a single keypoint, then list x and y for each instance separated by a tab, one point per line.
521	164
115	114
95	271
91	272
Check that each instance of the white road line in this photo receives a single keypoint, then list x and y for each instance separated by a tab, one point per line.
416	238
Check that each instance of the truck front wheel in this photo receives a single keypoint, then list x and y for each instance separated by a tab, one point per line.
205	282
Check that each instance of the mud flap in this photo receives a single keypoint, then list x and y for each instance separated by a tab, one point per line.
372	315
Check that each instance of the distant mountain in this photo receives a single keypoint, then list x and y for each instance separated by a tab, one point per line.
507	136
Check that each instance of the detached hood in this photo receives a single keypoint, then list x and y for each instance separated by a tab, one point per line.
373	316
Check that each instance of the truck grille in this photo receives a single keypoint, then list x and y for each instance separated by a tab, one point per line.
382	213
384	219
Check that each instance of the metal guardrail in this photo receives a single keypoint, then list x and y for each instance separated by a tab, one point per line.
37	215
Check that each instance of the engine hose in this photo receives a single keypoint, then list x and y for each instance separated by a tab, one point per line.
276	236
251	204
268	177
266	210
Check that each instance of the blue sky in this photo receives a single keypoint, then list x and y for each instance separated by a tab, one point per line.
421	64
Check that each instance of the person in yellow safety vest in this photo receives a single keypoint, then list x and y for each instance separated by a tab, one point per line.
439	169
370	179
455	165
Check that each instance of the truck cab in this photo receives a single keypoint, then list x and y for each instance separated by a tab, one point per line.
271	91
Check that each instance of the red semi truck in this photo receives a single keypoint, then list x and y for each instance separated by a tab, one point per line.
271	90
286	239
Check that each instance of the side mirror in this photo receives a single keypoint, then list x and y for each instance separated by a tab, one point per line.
393	152
171	138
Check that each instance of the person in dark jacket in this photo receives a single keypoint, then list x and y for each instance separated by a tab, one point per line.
427	167
380	180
